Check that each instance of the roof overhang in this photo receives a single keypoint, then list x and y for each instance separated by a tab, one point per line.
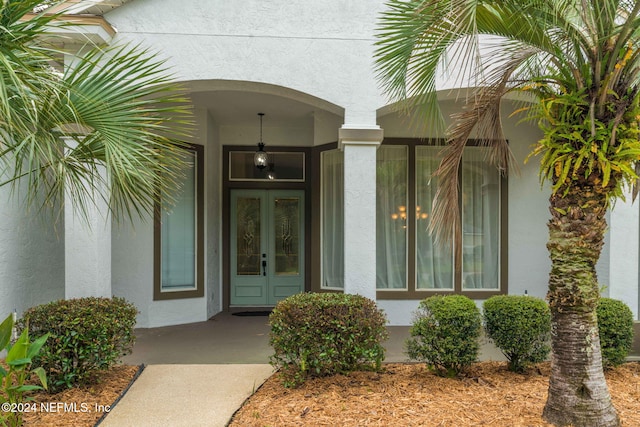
92	29
90	26
87	7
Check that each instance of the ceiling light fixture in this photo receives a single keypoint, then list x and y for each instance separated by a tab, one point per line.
261	158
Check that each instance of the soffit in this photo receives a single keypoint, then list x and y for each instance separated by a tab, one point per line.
89	7
88	15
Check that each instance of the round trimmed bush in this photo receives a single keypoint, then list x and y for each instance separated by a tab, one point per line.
321	334
86	336
520	326
615	326
445	334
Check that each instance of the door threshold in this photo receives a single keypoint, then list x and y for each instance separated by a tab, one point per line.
240	308
250	311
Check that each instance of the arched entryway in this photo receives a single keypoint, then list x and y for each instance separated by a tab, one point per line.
272	254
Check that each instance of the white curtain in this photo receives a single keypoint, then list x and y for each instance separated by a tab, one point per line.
392	217
480	221
434	264
332	184
179	235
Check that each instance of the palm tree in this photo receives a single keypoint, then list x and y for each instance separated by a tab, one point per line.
112	120
578	62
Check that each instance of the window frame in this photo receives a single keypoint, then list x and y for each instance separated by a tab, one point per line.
158	293
412	292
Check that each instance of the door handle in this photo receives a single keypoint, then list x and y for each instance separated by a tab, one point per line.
264	265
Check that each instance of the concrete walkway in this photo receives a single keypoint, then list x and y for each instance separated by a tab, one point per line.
187	395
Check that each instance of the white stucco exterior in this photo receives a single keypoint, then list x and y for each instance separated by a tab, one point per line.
321	48
309	68
359	173
32	267
87	247
622	281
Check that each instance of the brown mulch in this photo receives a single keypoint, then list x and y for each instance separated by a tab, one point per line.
410	395
80	407
403	394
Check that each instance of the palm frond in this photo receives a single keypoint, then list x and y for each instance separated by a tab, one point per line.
110	127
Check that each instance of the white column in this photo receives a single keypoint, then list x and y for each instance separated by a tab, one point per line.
624	253
87	248
360	147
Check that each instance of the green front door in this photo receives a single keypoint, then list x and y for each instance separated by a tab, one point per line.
267	246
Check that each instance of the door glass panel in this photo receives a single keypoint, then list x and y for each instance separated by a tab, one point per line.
248	236
286	224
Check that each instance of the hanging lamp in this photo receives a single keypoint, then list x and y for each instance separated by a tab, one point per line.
261	158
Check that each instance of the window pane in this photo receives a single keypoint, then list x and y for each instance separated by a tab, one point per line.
391	217
332	182
285	166
248	232
434	263
179	235
480	221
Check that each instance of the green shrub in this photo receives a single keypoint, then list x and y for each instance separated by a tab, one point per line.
445	334
615	326
520	326
86	336
315	335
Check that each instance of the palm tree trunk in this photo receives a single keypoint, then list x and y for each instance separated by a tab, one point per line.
578	393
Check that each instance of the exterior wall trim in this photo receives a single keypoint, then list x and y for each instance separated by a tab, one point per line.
359	136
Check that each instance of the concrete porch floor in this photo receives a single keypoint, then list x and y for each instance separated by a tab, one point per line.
229	339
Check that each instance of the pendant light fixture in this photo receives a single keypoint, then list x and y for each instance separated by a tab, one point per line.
261	158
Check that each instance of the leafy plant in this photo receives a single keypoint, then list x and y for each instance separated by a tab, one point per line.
521	328
13	384
615	326
117	107
576	63
315	335
445	334
87	336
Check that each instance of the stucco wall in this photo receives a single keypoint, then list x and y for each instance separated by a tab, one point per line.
529	263
322	48
132	252
213	214
31	256
132	279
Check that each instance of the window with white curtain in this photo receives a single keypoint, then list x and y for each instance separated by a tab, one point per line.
391	217
480	221
178	239
408	262
434	263
479	248
332	199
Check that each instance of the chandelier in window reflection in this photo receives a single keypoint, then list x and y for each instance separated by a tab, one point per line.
401	215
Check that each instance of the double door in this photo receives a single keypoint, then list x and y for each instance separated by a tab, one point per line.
267	246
